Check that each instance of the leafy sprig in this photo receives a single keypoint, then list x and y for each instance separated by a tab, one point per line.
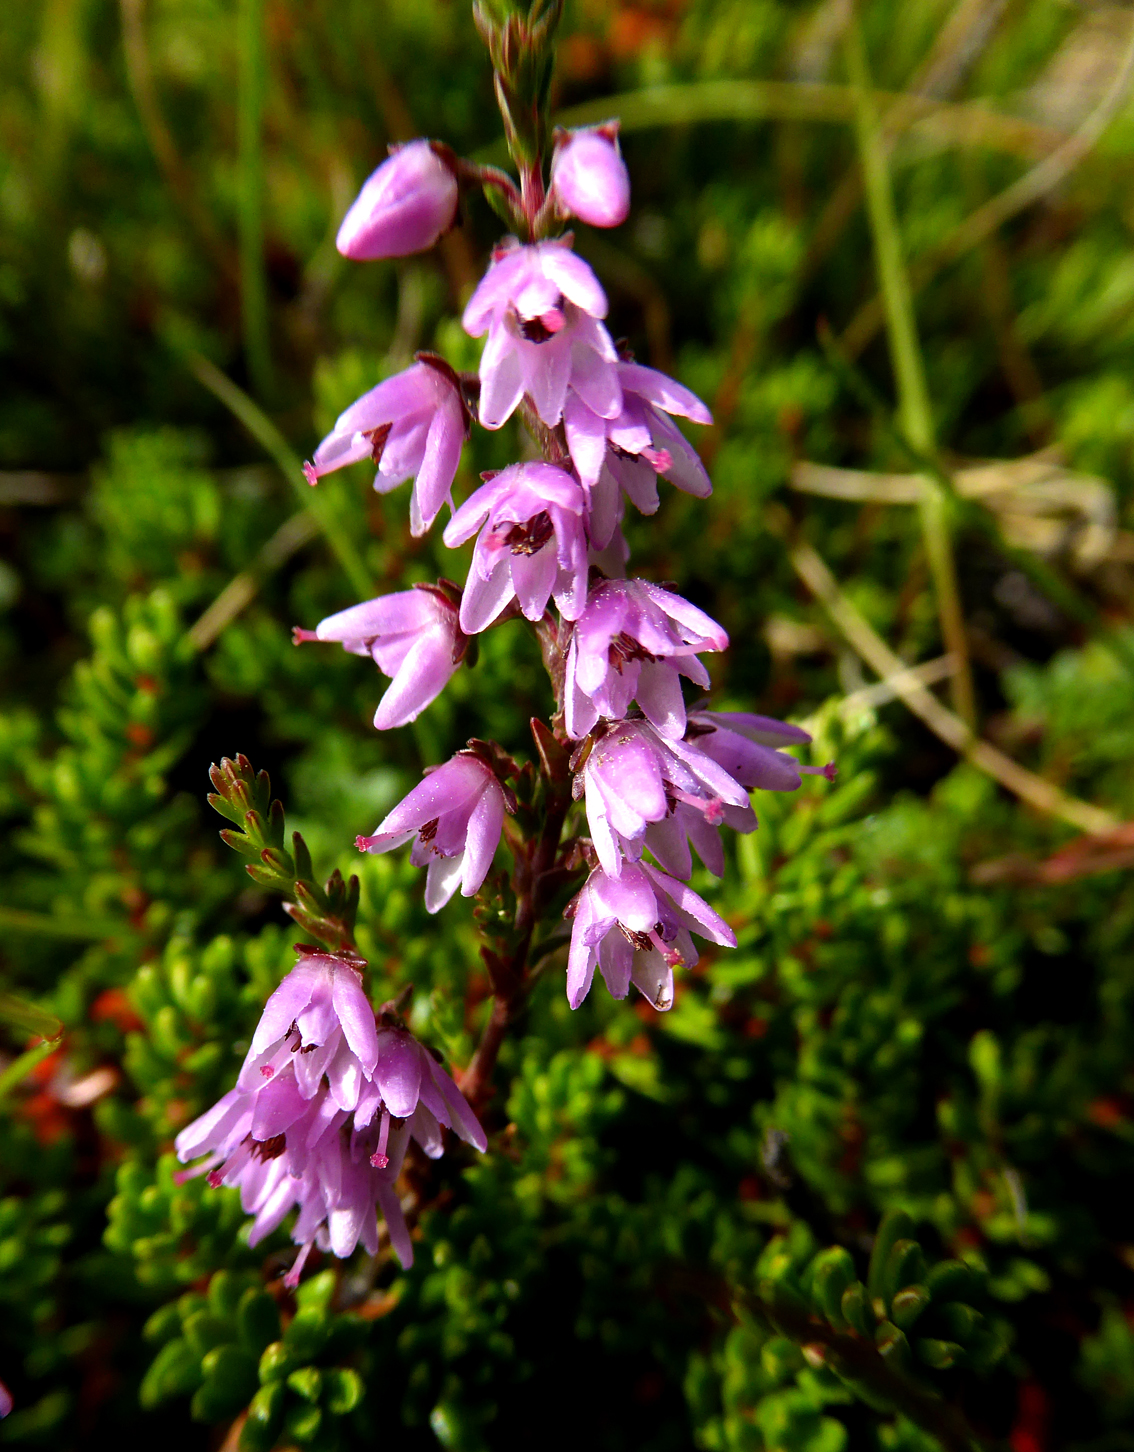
244	796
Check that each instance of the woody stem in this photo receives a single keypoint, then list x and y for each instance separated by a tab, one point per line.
510	980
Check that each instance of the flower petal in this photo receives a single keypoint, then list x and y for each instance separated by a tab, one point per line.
441	881
355	1015
586	438
501	378
423	674
398	1071
664	392
482	838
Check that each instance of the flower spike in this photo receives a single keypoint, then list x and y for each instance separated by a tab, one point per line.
324	1106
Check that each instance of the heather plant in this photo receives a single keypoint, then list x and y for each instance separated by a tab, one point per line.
771	1088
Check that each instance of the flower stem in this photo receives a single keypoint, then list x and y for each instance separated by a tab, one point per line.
914	410
511	981
856	1358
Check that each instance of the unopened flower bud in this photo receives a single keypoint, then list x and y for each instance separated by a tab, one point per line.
403	207
589	179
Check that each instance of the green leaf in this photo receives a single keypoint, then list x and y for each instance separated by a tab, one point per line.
908	1304
265	1416
276	1362
175	1371
307	1383
940	1355
856	1309
896	1225
257	1321
343	1389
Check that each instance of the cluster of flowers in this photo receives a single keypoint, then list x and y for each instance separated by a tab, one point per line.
654	778
324	1107
329	1095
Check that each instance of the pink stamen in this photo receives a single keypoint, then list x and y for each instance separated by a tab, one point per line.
215	1179
830	771
671	955
379	1159
364	844
299	635
553	320
291	1280
311	474
713	808
658	459
267	1070
191	1174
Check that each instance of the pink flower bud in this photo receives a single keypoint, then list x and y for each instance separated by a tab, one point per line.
589	178
403	207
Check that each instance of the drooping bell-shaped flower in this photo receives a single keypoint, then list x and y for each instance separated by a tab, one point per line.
637	928
413	636
541	305
745	745
634	780
625	455
533	544
403	207
412	426
589	179
633	641
411	1085
455	816
323	1108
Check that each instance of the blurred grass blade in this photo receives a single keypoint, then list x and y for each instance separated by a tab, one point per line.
251	88
264	431
909	371
291	536
1032	187
19	1069
813	570
56	925
139	74
937	125
29	1018
974	514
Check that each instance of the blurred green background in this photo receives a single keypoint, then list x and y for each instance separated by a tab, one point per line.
931	1008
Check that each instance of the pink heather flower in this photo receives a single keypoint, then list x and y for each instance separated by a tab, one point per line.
533	544
5	1400
321	1114
403	207
413	636
744	745
635	782
412	426
627	453
540	306
412	1086
589	179
455	816
633	641
636	928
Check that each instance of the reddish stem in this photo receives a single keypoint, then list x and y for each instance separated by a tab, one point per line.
510	979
